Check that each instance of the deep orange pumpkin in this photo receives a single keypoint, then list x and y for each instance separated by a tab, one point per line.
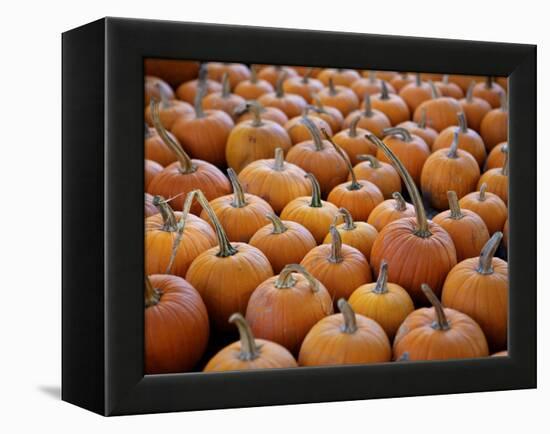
440	110
152	169
369	85
340	77
490	91
371	120
253	87
488	206
421	129
475	108
246	113
497	179
497	156
173	71
381	174
156	88
339	97
299	132
353	141
447	88
392	105
416	93
188	91
304	86
330	115
291	104
390	210
156	149
224	100
494	126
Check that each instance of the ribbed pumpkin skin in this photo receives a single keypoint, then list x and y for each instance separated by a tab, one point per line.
298	132
152	169
176	329
386	212
440	113
239	223
226	283
354	145
288	247
491	94
470	142
395	108
475	111
449	89
415	95
272	356
248	143
359	203
340	278
428	134
483	297
228	104
465	339
207	177
361	237
315	220
497	183
291	105
384	177
296	85
407	253
157	150
267	113
496	157
492	210
169	113
332	116
326	344
187	91
344	100
412	154
152	90
376	124
197	237
494	128
286	315
249	90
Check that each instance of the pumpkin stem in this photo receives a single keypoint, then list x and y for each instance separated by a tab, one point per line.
186	164
315	191
279	164
350	322
353	126
331	88
418	79
315	134
398	131
253	74
226	86
505	168
180	229
381	286
201	93
226	249
249	349
372	76
384	93
353	185
435	91
368	107
305	78
454	206
152	295
256	110
164	99
423	119
422	228
503	102
279	91
482	191
285	279
400	204
441	322
239	199
167	213
453	149
318	104
445	79
373	161
470	92
462	123
487	253
278	225
489	82
335	246
349	224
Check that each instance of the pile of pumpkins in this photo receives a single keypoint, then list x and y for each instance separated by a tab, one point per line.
276	207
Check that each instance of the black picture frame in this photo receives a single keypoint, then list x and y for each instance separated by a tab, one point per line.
103	228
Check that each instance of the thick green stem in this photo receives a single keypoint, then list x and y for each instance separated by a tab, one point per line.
400	204
350	322
381	286
316	201
487	253
349	224
368	107
226	86
279	164
482	191
167	213
441	322
335	246
454	206
278	225
239	199
453	149
314	131
353	185
285	279
152	295
373	161
404	134
249	349
462	123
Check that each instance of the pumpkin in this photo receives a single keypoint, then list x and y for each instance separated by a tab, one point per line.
226	275
369	85
417	250
224	100
303	70
490	91
188	91
173	72
174	239
358	197
175	325
304	86
360	235
439	333
236	73
254	140
274	180
478	287
283	242
246	113
341	268
474	108
416	93
152	169
382	75
339	97
150	208
204	133
253	87
314	214
215	70
170	109
298	132
156	88
320	158
390	210
463	81
185	174
273	73
494	126
506	234
448	169
430	76
345	338
401	80
386	303
340	77
371	120
468	140
156	149
440	110
412	150
381	174
428	134
353	141
330	115
467	230
285	307
292	105
497	180
497	156
392	105
240	213
488	206
249	353
447	88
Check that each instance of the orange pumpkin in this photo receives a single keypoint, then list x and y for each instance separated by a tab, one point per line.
448	169
416	93
382	75
330	115
401	80
369	85
236	72
393	106
272	73
253	87
353	141
417	250
170	109
152	169
381	174
246	113
173	71
314	214
304	86
439	333
488	206
285	307
360	235
468	140
291	104
341	268
497	156
299	132
494	126
428	134
386	303
490	91
371	120
468	231
156	149
224	100
283	242
226	275
340	77
185	174
390	210
474	108
156	88
274	180
463	81
175	325
497	180
447	88
339	97
440	111
478	287
188	91
506	234
345	338
249	353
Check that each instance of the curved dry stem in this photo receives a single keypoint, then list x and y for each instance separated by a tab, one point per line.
249	349
453	149
470	92
279	164
335	246
316	201
384	93
400	204
418	79
354	184
487	253
278	225
353	126
164	98
462	122
454	206
441	322
285	279
367	112
315	134
349	224
373	161
435	92
167	213
505	166
403	133
482	191
253	74
381	286
239	199
350	322
226	86
152	295
279	91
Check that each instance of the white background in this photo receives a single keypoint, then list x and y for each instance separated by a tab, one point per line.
30	143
